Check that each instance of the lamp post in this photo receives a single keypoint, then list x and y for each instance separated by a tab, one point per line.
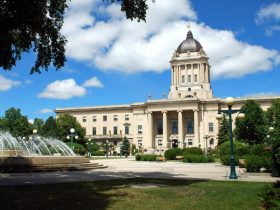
89	143
107	148
206	137
71	136
229	102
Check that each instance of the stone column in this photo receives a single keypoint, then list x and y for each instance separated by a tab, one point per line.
180	129
172	76
196	127
150	130
164	125
193	74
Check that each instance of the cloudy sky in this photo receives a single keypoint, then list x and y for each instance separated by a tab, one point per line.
112	60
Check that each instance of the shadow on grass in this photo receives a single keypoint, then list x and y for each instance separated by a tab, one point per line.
78	195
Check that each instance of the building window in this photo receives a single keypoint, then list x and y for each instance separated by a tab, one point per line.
104	118
182	66
126	130
115	130
93	118
139	129
115	118
159	127
189	89
183	78
211	127
190	142
174	126
126	117
195	78
160	142
140	143
189	66
189	126
93	130
84	118
104	130
115	143
211	141
189	78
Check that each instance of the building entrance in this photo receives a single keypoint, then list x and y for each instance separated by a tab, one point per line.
174	143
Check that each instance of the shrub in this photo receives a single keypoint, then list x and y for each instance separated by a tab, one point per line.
225	159
140	157
260	150
193	151
78	148
171	154
240	149
271	196
189	158
98	153
253	163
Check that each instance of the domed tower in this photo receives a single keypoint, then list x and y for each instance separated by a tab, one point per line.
190	71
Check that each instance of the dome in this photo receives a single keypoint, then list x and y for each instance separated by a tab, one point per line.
189	44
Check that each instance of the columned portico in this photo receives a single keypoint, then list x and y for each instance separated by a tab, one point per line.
150	130
180	129
196	127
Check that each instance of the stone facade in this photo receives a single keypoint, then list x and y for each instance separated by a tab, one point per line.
181	120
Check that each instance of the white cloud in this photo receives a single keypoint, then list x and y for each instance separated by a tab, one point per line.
63	89
28	81
93	82
45	111
260	95
115	43
269	12
7	84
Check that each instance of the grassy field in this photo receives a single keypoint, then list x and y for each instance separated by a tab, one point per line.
122	195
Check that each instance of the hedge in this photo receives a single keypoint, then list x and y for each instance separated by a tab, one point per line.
253	163
171	154
193	151
140	157
190	158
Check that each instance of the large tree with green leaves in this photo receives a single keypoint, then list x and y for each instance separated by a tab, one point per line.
252	129
35	25
64	123
273	116
49	127
125	147
38	125
15	123
223	134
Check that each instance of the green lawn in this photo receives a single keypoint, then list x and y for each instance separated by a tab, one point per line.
118	194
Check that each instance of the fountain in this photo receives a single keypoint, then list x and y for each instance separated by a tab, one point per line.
39	154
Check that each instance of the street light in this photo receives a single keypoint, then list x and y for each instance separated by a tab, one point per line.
107	148
229	102
72	135
206	137
89	143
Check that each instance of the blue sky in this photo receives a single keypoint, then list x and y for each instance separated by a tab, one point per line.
115	61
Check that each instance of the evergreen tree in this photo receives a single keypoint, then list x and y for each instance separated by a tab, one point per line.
49	127
252	129
223	134
273	116
125	147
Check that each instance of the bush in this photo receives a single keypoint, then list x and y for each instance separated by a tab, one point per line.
260	150
271	196
171	154
98	153
140	157
193	151
78	148
225	159
240	149
253	163
189	158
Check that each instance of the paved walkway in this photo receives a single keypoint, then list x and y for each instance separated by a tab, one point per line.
129	168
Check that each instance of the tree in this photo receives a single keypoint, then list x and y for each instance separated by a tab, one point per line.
15	123
125	147
223	134
252	129
273	116
49	127
63	125
38	125
35	25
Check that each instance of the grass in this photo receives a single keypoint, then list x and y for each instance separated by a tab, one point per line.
118	194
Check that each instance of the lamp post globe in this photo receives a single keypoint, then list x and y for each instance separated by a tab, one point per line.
76	137
229	101
241	115
35	131
72	130
219	116
271	129
67	137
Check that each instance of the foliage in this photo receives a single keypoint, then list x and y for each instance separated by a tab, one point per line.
98	153
193	151
20	32
125	147
225	159
64	123
193	158
260	150
271	196
134	150
49	127
253	163
240	149
252	129
78	148
38	125
140	157
223	134
171	154
15	123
